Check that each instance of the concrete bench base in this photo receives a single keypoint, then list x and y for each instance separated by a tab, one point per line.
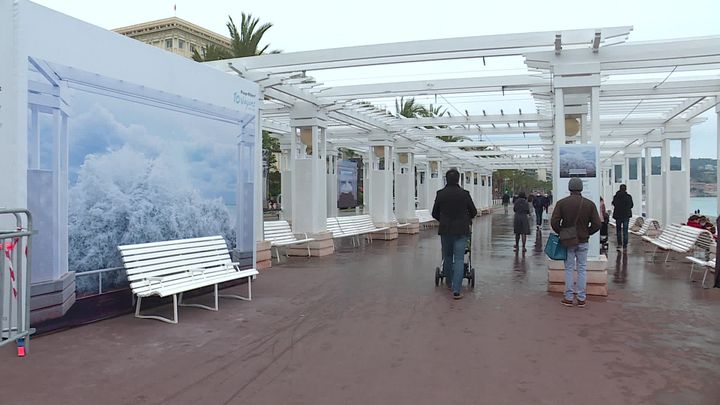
321	246
597	277
410	229
263	258
388	234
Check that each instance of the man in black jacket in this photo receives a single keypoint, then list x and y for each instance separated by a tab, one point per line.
454	209
622	211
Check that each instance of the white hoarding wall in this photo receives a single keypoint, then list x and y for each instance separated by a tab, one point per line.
126	143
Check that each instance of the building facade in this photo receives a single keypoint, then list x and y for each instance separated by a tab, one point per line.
175	35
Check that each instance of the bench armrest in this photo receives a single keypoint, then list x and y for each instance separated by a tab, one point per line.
153	279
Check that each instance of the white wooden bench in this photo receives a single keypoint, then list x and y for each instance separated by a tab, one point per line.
681	239
333	225
646	225
665	239
359	225
709	265
425	218
171	268
280	235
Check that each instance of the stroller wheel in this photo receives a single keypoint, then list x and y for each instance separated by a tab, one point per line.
472	278
437	276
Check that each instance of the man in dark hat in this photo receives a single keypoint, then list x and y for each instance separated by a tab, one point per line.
582	214
454	209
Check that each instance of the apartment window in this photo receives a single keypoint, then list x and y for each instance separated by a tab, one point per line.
192	48
181	44
168	43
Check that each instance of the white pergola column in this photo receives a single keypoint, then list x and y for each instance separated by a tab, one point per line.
469	181
478	190
665	170
490	190
405	189
606	189
435	181
381	178
286	178
656	193
366	185
482	201
681	199
331	162
405	184
423	190
634	180
647	199
558	140
308	165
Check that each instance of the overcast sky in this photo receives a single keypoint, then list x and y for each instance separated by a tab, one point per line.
317	24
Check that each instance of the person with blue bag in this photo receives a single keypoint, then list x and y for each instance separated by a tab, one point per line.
574	219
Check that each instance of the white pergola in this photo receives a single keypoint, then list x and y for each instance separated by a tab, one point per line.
629	99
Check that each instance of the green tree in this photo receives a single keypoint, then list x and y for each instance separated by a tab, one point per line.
272	146
409	108
243	42
518	180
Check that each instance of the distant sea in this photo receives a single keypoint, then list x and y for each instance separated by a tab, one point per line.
706	205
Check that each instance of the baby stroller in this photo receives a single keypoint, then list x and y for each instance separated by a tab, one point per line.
468	270
604	232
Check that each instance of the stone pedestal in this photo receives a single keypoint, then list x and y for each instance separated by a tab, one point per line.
52	299
321	246
389	234
596	276
412	228
263	257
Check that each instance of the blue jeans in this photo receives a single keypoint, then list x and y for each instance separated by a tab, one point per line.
578	253
538	216
453	253
621	226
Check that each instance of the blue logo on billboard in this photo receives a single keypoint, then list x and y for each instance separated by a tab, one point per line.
245	98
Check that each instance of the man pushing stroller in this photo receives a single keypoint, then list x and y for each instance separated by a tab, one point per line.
454	210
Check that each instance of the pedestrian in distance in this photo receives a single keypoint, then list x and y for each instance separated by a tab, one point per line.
454	210
521	221
578	216
506	201
622	211
539	204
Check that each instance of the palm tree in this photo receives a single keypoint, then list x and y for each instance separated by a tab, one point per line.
243	42
409	108
440	111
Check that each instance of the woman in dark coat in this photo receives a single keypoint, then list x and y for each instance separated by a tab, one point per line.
521	222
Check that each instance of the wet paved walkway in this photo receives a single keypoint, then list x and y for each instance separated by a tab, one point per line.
368	326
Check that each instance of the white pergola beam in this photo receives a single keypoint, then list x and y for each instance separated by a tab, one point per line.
442	86
414	51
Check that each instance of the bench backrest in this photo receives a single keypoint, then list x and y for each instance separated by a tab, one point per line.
356	223
278	231
688	237
332	225
668	233
172	259
705	241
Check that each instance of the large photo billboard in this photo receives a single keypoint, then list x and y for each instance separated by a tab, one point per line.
347	184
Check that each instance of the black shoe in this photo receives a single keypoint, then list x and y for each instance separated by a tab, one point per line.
457	296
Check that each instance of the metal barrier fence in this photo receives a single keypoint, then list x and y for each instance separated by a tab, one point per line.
15	248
